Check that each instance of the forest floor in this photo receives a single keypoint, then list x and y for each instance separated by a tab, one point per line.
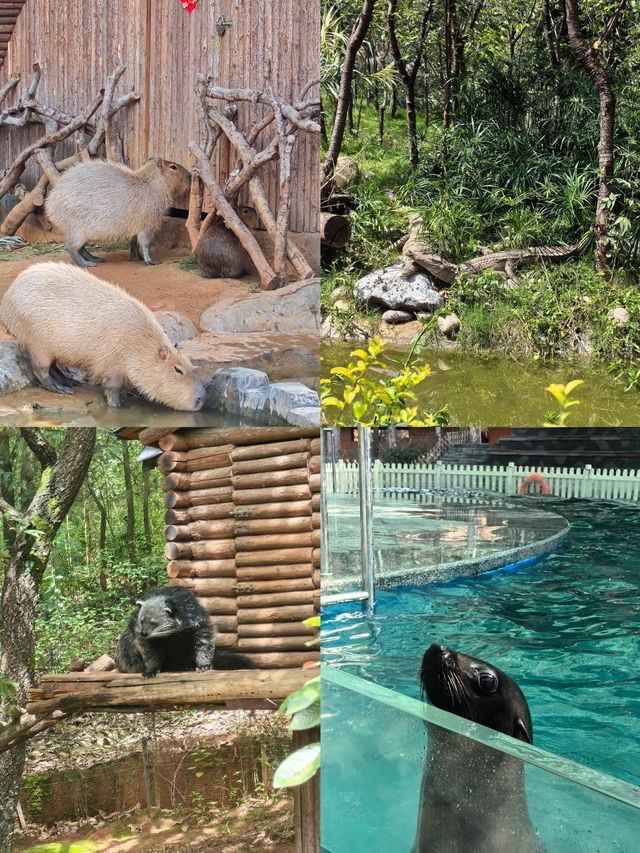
260	824
92	750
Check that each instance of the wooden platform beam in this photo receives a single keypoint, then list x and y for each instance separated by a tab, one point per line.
59	696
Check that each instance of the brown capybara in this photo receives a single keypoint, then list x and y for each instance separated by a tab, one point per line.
62	315
108	202
219	253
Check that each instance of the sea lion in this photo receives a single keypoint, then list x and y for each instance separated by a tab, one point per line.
472	797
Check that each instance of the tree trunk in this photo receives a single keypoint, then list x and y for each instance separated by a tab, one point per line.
131	518
408	76
60	480
450	27
354	44
548	33
603	83
146	491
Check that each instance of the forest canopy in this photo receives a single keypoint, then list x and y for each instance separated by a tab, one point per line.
108	550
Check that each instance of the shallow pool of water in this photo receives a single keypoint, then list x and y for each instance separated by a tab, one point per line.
566	628
485	389
433	540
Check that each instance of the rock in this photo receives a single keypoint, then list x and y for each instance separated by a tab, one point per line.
620	315
231	388
249	394
388	288
281	356
352	330
342	305
448	325
178	327
15	368
341	292
346	172
293	308
395	318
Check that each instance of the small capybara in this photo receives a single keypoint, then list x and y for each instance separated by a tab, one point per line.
62	315
219	253
108	202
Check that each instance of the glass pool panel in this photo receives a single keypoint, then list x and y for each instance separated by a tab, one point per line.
373	749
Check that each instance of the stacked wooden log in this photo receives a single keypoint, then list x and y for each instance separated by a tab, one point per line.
243	532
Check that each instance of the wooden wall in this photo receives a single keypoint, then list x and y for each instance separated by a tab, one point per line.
243	533
79	43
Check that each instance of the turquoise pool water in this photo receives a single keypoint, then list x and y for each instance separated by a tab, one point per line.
566	628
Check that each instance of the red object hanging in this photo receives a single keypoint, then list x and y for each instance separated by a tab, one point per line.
189	5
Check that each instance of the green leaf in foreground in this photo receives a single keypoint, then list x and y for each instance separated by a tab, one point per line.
298	767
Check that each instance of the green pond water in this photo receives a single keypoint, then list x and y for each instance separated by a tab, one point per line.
494	390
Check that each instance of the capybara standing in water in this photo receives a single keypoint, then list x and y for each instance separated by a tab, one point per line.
62	315
219	253
108	202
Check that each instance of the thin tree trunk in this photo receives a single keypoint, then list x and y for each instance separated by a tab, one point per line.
394	102
146	492
450	27
547	31
354	44
603	83
131	518
102	536
60	480
409	76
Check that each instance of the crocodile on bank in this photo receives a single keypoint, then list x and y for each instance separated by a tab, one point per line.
417	257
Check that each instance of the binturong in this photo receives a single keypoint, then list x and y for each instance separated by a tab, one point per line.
64	316
171	632
106	202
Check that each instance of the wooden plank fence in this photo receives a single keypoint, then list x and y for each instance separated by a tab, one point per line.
584	482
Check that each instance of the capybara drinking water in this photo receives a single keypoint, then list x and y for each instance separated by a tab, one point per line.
108	202
65	316
219	253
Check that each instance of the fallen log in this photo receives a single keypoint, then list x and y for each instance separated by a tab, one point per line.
335	230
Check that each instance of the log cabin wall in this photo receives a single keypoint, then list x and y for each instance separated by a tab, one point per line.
243	533
79	44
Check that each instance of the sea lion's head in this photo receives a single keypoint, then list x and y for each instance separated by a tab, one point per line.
476	690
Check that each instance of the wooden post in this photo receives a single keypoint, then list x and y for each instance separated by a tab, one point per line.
306	801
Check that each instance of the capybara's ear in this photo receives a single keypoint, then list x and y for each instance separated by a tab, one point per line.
164	352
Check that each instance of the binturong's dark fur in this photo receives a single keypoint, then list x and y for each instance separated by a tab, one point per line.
171	632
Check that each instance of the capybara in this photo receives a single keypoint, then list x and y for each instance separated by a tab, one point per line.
108	202
65	316
219	253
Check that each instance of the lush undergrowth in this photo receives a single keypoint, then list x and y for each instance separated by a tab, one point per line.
481	184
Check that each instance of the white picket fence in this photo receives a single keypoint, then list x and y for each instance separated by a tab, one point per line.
506	480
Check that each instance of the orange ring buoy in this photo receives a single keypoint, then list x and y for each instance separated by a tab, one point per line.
534	478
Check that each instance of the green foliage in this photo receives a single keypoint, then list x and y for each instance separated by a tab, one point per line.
562	394
304	707
408	454
373	391
553	311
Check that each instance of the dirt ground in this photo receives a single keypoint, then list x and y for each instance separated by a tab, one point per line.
164	287
255	825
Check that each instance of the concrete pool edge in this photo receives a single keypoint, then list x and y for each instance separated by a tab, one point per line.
508	558
565	768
